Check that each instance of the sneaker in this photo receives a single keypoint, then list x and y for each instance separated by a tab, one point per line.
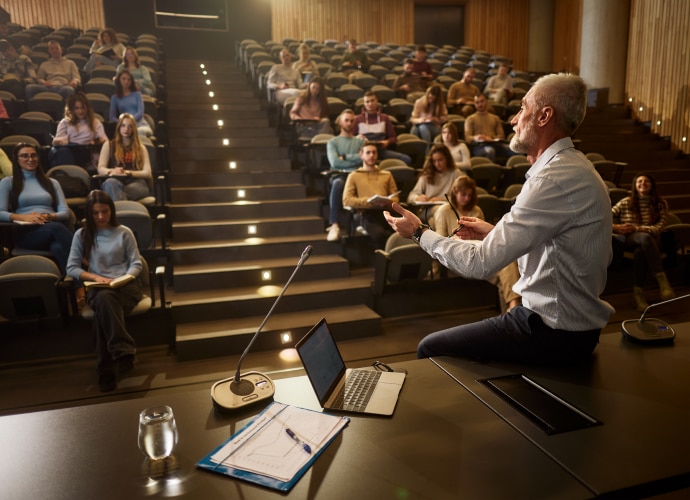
333	233
107	381
361	231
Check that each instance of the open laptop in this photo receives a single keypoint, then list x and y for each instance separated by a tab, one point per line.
341	389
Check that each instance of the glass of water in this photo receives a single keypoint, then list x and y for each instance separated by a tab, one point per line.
157	432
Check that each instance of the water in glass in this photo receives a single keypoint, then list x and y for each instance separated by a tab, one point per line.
157	432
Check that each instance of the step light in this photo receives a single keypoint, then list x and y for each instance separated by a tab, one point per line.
251	229
241	193
211	94
208	82
202	66
286	338
220	123
215	107
226	142
233	165
266	275
204	72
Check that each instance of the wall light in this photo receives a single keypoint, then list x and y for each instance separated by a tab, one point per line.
629	99
232	165
241	193
251	229
658	122
285	338
266	275
641	108
684	139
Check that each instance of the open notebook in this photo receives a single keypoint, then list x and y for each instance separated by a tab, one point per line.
338	388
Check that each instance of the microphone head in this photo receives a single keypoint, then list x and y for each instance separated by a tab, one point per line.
305	254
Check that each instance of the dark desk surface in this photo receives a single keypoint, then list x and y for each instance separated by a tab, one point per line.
641	394
442	442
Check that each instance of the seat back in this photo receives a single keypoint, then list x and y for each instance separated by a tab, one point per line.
29	289
492	206
489	176
136	217
402	263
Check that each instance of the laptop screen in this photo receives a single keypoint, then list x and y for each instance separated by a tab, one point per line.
321	360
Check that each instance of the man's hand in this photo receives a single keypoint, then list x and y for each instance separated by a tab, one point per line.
473	228
404	225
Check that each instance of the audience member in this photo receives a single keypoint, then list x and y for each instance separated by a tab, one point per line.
420	66
409	85
558	230
57	74
458	149
125	161
641	219
376	128
460	99
127	99
429	114
140	73
5	165
283	79
343	156
101	251
361	185
355	62
306	67
499	87
437	177
463	199
29	197
312	106
105	50
16	70
79	127
484	132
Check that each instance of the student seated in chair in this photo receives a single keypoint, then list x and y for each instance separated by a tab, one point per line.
101	251
362	185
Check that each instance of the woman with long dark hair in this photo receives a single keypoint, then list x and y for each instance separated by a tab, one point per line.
30	198
312	105
102	251
428	114
128	99
641	218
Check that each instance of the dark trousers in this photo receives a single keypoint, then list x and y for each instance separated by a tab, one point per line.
517	336
110	305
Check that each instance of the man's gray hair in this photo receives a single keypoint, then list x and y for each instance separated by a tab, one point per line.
566	94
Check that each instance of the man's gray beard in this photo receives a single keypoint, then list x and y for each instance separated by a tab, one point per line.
518	146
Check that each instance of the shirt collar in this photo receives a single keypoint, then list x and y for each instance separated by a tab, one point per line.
548	154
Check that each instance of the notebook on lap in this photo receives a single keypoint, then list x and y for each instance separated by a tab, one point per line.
341	389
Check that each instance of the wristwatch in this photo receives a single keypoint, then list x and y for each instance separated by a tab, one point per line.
417	235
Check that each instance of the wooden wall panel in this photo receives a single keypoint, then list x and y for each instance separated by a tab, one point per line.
567	27
82	14
364	20
658	72
499	27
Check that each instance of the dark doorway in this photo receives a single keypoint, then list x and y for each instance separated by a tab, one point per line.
439	24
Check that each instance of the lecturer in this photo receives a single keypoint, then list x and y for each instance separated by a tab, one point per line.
559	231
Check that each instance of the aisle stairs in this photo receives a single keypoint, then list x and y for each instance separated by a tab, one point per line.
241	218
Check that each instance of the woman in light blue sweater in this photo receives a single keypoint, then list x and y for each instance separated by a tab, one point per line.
29	198
127	99
101	251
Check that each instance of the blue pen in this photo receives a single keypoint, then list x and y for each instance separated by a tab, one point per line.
305	446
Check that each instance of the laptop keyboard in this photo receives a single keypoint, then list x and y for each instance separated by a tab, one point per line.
358	389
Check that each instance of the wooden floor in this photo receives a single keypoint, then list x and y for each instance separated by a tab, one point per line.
35	386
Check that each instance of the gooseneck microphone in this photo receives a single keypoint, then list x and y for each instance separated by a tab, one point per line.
650	330
252	387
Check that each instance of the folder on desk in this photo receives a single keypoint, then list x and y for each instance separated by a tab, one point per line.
277	447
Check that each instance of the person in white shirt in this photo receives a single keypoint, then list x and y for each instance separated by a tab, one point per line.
559	231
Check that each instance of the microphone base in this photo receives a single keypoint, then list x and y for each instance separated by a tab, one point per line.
253	387
648	331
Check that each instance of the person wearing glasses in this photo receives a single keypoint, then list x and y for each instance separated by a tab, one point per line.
558	230
30	198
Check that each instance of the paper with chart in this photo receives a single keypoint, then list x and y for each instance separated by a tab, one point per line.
266	447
